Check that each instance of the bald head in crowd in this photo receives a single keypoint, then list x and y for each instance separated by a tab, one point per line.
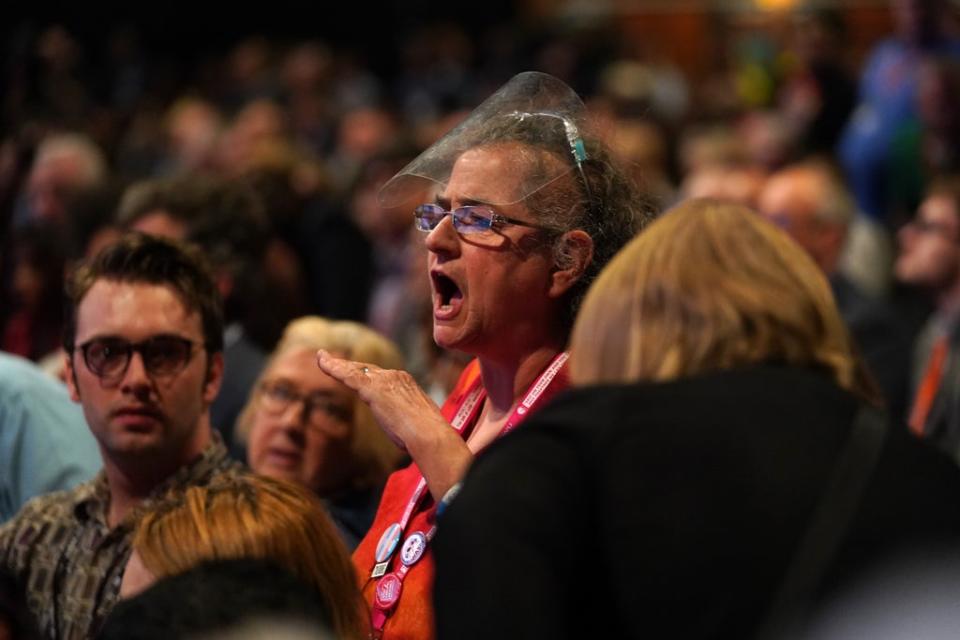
809	202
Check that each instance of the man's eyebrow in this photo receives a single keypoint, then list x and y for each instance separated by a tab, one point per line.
102	337
120	336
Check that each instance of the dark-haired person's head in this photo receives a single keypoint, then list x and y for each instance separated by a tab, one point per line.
929	255
225	218
218	596
138	258
257	272
144	340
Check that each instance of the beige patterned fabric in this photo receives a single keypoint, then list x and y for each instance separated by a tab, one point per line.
70	561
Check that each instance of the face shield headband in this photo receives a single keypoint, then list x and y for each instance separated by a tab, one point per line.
534	111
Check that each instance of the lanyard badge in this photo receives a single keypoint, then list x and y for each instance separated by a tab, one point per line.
385	548
414	547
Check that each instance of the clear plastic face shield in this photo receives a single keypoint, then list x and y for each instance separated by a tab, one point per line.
528	134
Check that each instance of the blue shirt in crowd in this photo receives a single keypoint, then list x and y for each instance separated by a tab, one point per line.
45	444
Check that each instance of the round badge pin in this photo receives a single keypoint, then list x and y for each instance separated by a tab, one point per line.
388	542
388	591
413	548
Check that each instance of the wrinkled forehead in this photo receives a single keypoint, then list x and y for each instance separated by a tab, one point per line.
502	173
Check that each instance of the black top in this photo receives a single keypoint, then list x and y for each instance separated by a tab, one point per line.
882	338
669	510
352	512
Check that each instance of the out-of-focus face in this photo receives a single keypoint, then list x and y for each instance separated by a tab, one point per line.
363	132
138	415
930	245
490	289
786	202
193	130
384	225
937	89
51	185
306	445
100	240
916	20
160	223
28	283
739	185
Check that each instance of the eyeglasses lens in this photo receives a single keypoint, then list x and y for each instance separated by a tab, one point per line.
277	398
162	355
469	219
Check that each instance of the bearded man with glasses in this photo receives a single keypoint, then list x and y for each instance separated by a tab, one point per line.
143	342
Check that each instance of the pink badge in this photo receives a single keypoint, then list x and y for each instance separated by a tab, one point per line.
388	591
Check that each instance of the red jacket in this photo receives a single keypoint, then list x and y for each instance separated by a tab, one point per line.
412	619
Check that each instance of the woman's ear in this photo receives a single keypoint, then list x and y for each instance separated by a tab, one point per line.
573	254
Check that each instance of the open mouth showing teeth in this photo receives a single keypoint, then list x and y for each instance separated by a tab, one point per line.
446	289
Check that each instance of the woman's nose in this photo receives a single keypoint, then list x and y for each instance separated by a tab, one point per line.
443	238
295	415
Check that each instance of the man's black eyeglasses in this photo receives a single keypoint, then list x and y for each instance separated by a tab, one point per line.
162	355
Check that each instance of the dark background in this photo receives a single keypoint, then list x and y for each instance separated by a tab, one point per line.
183	29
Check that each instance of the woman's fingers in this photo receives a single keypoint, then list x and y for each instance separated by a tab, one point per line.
397	401
351	373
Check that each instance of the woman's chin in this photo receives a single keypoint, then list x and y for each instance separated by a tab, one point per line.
453	341
280	472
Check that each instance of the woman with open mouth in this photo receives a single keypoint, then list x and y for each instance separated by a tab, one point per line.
524	209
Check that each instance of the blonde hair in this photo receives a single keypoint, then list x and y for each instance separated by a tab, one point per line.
709	286
374	454
250	516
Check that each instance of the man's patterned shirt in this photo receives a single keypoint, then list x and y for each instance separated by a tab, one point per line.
67	557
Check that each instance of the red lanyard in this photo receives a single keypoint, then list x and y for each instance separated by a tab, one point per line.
389	585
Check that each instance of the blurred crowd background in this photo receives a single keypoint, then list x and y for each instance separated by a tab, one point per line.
282	121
